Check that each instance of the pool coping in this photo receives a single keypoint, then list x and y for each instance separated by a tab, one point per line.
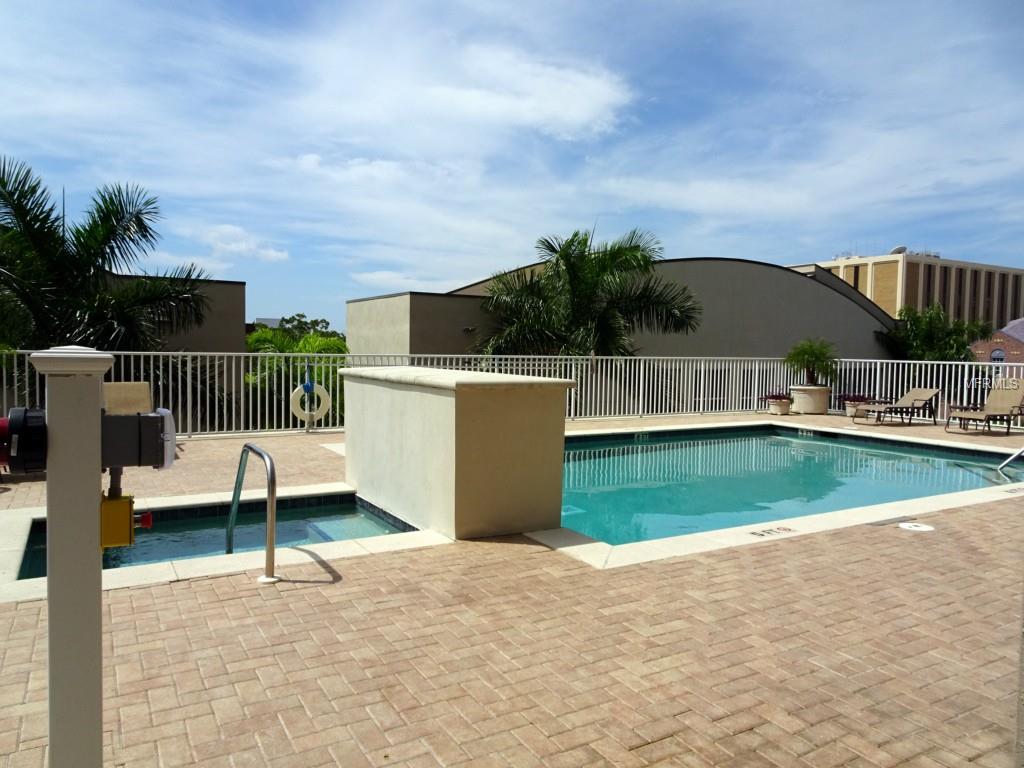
602	555
16	524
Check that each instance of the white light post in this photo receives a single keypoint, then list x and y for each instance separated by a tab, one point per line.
74	562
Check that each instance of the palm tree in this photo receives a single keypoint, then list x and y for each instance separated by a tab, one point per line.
62	278
586	299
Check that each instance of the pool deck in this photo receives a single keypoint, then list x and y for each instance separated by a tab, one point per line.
863	646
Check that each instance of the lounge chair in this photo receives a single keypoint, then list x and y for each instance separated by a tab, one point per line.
1005	402
916	402
127	397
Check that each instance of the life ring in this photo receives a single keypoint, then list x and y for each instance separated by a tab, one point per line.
320	392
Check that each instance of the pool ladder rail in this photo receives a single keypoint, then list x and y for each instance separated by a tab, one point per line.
268	576
1009	461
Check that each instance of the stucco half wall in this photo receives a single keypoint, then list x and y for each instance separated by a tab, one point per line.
463	453
413	323
750	309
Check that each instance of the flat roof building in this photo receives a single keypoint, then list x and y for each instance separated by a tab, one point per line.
750	309
902	278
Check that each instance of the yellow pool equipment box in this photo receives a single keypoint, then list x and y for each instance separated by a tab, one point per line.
117	522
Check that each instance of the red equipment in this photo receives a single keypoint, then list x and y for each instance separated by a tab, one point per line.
5	442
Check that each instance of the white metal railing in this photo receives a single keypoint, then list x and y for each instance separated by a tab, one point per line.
217	393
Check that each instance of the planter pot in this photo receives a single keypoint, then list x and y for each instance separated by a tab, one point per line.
851	409
810	400
778	407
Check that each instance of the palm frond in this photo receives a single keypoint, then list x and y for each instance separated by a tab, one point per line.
138	312
548	247
266	340
637	250
318	343
28	217
648	303
118	229
523	316
611	334
34	311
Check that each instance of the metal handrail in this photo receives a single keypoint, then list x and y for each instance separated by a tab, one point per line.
268	576
1017	455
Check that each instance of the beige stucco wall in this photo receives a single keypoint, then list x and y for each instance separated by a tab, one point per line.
462	453
378	326
756	309
444	324
509	457
400	450
223	330
413	323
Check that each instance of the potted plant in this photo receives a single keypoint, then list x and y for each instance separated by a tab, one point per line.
778	403
816	360
853	402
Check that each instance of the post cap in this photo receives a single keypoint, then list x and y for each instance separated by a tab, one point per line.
72	360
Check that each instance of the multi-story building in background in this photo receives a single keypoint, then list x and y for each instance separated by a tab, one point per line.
902	278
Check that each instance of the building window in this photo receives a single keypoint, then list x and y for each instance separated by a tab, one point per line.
1016	310
997	356
958	310
975	294
856	278
929	288
1001	301
944	287
986	307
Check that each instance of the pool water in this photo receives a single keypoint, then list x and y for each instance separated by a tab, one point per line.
198	536
650	486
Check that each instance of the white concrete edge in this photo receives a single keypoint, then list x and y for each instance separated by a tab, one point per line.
221	565
619	431
184	437
15	531
600	555
451	379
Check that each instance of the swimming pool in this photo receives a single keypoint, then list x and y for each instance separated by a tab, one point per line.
650	485
189	532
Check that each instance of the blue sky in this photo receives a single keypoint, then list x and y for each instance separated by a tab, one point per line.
323	152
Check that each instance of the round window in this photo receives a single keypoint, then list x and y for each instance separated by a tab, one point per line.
997	356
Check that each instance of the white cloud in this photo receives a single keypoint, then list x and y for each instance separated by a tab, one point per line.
159	261
386	281
420	145
232	241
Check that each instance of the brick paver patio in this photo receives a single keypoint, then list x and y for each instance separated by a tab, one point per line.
867	646
864	646
209	465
